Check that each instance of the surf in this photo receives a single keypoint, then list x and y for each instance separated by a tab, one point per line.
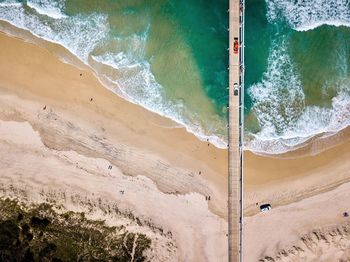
116	42
303	90
309	14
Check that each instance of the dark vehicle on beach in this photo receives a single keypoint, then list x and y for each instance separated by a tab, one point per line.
265	207
235	45
235	89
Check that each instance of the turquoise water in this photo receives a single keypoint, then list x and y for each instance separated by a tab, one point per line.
169	56
297	71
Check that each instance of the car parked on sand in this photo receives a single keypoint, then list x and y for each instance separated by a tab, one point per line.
265	207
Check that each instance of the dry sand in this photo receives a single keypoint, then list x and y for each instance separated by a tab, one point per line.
56	144
284	179
312	229
308	195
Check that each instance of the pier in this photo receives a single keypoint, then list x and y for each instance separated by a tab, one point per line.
235	130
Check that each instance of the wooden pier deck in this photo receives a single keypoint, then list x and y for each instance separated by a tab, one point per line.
235	179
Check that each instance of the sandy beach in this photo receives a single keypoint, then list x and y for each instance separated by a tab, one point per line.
60	129
308	195
56	140
294	177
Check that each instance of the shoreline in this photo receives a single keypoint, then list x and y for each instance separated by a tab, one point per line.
64	54
288	179
158	123
76	128
56	140
313	146
76	61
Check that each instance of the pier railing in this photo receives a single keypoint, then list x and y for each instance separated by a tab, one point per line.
236	127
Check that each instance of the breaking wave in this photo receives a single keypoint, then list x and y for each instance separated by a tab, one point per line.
48	7
285	120
286	117
70	32
85	35
303	15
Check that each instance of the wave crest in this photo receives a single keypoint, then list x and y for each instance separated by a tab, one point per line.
285	120
129	73
303	15
50	8
315	121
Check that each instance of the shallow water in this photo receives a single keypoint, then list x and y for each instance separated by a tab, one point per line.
297	71
169	56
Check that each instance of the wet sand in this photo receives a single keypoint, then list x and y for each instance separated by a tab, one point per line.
56	140
283	179
308	195
71	129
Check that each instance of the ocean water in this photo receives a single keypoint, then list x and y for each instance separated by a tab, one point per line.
169	56
297	71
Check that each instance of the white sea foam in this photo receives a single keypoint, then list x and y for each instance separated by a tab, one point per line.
279	102
305	15
278	98
314	121
79	34
286	122
51	8
136	83
13	3
83	34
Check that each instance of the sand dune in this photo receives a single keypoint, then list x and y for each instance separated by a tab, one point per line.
313	229
328	244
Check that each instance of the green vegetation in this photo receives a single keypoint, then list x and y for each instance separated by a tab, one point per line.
39	233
